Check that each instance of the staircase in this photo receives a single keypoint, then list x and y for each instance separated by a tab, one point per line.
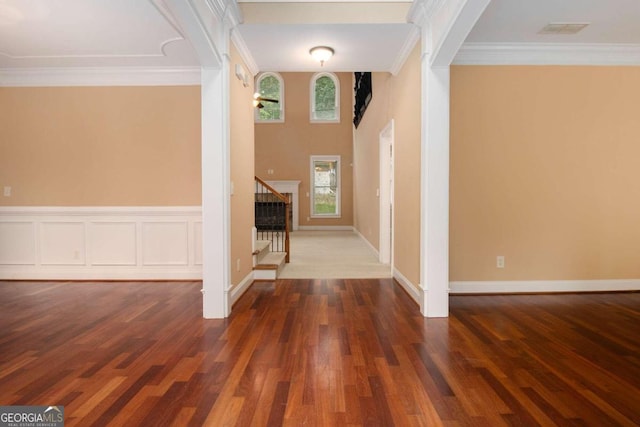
271	231
267	264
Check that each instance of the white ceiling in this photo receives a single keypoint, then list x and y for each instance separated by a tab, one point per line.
519	21
90	33
367	36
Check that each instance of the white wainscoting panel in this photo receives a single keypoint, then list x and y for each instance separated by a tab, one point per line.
101	243
62	243
165	243
17	243
112	243
197	242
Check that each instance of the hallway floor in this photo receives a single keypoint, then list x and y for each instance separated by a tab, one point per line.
332	254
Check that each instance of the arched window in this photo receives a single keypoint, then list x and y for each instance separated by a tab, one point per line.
271	86
325	98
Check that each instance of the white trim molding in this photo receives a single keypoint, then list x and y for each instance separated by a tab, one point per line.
101	243
100	76
543	286
244	52
415	292
547	54
238	290
405	50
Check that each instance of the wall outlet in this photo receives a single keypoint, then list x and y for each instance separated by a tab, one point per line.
500	261
238	264
7	191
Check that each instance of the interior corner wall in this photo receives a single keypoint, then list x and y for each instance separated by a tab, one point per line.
100	146
398	98
286	148
544	171
242	172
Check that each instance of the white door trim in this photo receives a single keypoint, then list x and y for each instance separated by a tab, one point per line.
385	250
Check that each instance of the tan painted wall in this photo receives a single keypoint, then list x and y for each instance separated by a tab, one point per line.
242	167
367	158
100	146
286	147
397	98
406	108
544	170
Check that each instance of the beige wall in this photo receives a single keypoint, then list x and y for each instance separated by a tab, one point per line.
242	167
397	98
286	147
544	170
406	108
367	158
100	146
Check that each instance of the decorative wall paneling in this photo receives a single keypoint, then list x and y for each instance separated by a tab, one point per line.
105	243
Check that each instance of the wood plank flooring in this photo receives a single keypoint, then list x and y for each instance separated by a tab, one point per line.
318	353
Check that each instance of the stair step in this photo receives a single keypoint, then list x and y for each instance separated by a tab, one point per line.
269	266
272	258
261	245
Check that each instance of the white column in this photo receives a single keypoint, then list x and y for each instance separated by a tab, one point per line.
444	25
215	192
434	222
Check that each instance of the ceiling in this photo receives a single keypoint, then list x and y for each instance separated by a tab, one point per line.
367	36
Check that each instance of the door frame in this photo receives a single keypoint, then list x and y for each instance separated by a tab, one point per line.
385	246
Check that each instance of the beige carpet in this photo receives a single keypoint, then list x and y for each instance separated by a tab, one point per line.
332	254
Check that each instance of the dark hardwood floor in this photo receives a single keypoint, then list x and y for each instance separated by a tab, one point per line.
318	352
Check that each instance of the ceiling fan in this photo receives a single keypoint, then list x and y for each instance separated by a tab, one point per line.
258	100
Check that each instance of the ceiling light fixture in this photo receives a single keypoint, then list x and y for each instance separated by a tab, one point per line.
321	53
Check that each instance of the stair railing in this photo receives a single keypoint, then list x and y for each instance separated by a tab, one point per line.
272	210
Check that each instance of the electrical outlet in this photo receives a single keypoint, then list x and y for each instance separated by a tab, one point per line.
500	261
238	264
7	191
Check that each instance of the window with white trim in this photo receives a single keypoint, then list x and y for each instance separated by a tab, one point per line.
325	186
270	86
325	98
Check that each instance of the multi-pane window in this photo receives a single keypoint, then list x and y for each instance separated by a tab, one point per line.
325	186
270	86
325	98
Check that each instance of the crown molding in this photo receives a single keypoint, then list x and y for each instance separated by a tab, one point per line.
244	51
405	50
547	54
100	76
421	11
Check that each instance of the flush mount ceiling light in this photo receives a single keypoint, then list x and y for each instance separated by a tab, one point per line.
321	53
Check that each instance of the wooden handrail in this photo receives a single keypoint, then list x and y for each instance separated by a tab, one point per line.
280	196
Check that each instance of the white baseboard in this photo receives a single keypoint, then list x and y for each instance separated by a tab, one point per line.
325	228
414	291
364	239
539	286
237	291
